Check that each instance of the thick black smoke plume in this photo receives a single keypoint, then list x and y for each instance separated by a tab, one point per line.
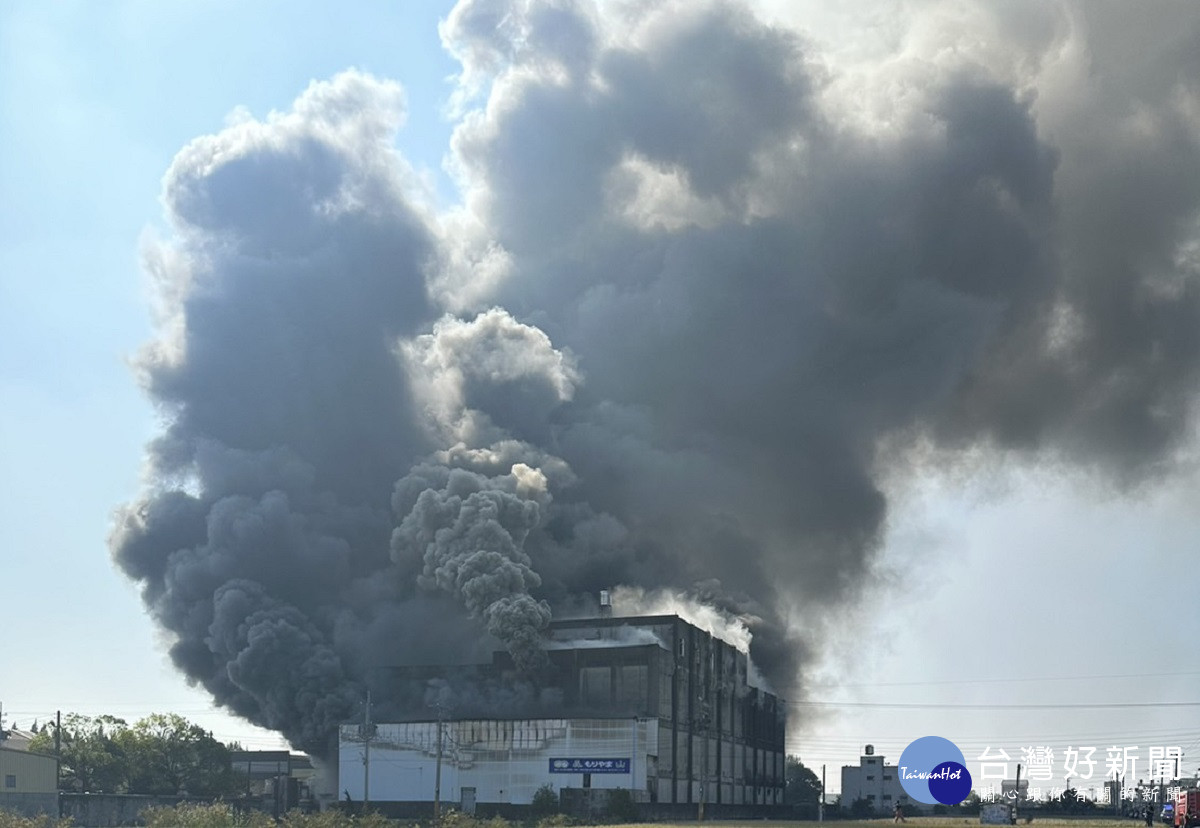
701	274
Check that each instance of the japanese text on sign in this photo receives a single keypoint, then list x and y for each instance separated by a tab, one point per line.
589	765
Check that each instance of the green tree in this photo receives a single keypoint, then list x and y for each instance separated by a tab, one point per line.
160	754
621	807
862	808
91	759
544	802
1071	800
167	754
802	787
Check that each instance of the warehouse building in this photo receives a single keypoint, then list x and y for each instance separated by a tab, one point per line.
654	705
28	781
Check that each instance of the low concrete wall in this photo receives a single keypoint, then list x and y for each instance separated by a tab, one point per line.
30	804
681	812
646	811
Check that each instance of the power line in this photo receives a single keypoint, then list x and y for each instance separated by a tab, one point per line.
877	738
938	706
1003	680
1185	740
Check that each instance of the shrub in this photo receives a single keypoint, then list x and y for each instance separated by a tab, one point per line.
223	816
621	807
555	821
8	819
193	815
545	801
457	819
862	808
333	819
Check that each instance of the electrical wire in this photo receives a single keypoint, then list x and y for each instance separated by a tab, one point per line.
957	706
1009	680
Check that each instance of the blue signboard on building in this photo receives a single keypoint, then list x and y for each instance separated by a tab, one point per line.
589	765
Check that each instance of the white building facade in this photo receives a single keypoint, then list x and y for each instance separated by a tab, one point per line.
496	761
876	782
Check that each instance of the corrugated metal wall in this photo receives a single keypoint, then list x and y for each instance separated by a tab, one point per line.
27	772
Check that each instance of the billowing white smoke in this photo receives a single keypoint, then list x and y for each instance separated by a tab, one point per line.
732	629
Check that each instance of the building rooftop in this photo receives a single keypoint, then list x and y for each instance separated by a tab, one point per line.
16	739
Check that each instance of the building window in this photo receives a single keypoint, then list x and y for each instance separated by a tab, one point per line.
595	686
632	691
886	797
870	777
871	797
887	777
10	780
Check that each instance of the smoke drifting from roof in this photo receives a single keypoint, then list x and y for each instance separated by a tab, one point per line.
701	273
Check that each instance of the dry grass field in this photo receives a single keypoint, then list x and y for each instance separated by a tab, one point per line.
911	822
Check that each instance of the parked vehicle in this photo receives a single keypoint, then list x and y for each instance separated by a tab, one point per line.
1187	808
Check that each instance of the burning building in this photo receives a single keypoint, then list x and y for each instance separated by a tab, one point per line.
651	704
700	310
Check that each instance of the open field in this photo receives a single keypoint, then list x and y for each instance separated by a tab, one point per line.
914	822
222	817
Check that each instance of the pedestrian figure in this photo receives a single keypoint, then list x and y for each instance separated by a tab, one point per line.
1149	816
898	813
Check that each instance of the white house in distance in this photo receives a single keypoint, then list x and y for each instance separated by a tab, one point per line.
876	782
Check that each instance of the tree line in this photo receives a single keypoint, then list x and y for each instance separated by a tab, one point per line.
162	754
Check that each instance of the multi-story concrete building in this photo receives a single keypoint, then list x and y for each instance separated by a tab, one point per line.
653	704
876	782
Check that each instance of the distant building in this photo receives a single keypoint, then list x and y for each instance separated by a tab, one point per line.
876	782
23	772
1012	791
275	781
16	739
653	705
28	780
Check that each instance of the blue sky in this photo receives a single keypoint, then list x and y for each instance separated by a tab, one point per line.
1020	581
97	99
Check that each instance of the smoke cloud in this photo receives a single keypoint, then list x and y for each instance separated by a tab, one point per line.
472	532
704	271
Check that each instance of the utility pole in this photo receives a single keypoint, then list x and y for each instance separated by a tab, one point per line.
1016	794
437	775
821	804
703	760
58	749
368	730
